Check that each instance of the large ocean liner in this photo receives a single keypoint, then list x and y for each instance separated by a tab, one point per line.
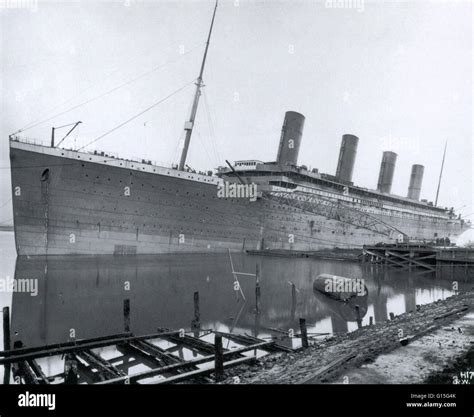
68	201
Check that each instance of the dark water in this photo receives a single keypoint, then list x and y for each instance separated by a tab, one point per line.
87	293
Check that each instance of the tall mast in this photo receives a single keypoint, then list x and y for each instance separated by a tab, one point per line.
441	173
188	127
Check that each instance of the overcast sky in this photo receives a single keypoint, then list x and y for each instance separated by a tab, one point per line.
396	74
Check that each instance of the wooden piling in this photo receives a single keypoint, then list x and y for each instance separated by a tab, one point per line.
196	322
218	358
126	314
392	316
83	365
371	321
257	289
293	301
6	342
358	317
6	328
304	333
197	312
70	369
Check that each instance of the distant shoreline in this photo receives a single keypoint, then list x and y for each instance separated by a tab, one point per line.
6	228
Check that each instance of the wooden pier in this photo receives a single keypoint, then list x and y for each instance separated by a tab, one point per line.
407	256
156	358
85	363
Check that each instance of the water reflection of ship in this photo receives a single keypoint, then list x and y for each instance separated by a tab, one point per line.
352	310
86	294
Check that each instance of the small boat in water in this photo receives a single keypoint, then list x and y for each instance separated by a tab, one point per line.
352	310
339	288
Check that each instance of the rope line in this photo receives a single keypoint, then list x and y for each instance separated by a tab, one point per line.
37	123
137	115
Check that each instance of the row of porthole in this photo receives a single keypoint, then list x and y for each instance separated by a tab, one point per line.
162	188
121	195
184	217
143	168
318	230
135	225
115	209
281	218
196	230
149	200
243	224
144	225
283	207
192	230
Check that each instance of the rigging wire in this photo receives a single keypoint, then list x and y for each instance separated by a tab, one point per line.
6	202
211	130
48	111
34	124
201	141
137	115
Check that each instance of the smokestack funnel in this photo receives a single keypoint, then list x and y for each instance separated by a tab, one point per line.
290	139
416	179
347	155
387	168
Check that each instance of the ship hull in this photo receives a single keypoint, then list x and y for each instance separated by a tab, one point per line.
70	203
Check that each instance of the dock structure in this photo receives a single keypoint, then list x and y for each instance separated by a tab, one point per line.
89	361
406	256
335	254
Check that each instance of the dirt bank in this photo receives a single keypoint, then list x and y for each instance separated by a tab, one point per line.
342	359
421	359
456	372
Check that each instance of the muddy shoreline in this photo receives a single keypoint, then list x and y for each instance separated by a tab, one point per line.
346	358
455	373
